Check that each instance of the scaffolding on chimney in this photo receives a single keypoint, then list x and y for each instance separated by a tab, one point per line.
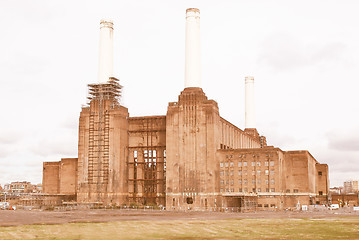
99	94
111	90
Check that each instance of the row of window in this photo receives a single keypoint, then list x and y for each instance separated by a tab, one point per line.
245	181
246	190
245	164
245	172
266	205
253	155
149	153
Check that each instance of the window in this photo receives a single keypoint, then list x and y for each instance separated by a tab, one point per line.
271	172
221	173
189	200
272	205
240	190
244	164
240	155
258	181
226	173
245	172
240	182
253	181
245	189
259	172
266	163
267	189
221	190
272	189
135	154
245	181
231	164
221	164
266	172
253	164
227	182
253	190
145	153
267	181
258	190
320	192
232	182
222	182
226	164
258	164
320	173
239	173
271	163
259	205
154	153
287	191
265	205
272	181
232	173
295	190
232	189
239	164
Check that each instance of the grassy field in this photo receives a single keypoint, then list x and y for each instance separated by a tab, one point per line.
288	228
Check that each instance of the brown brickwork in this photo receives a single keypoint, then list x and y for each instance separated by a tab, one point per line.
189	159
50	177
279	179
68	176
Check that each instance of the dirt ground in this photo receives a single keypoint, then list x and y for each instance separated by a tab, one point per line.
26	217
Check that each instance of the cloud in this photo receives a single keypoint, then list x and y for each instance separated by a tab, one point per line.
344	141
284	52
9	137
57	143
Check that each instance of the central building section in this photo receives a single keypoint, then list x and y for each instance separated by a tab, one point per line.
194	133
192	127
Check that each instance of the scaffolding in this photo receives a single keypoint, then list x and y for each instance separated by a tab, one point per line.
111	90
100	95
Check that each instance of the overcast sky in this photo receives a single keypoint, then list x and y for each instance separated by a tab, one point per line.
304	56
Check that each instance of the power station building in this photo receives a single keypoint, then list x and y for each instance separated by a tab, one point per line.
190	158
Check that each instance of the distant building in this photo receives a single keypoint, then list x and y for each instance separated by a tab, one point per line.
355	186
37	188
348	187
336	190
21	187
7	187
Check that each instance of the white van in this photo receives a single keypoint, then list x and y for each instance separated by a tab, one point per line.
334	207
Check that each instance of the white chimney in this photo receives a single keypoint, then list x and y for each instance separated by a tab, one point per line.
250	121
193	58
105	66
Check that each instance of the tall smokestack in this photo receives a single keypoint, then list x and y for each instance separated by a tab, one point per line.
105	66
250	121
193	58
